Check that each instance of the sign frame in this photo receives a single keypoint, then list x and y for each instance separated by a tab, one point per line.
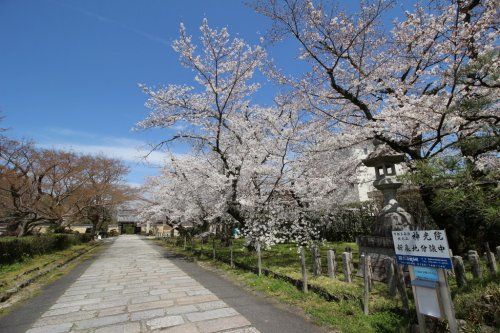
427	272
424	248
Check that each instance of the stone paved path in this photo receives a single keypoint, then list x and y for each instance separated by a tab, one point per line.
132	288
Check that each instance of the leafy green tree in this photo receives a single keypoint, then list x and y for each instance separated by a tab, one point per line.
463	199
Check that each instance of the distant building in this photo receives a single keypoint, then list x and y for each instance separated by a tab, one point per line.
127	218
3	228
129	221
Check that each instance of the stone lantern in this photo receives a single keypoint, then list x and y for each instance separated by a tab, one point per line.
379	245
392	216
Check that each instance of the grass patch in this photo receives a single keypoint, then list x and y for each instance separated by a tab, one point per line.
343	316
478	303
12	274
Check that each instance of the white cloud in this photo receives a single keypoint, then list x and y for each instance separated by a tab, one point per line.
129	150
126	152
136	153
135	185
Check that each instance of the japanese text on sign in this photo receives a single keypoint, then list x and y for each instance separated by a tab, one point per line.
427	248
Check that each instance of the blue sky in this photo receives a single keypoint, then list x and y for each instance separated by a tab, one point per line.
69	69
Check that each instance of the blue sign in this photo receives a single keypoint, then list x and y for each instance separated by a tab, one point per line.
426	273
424	261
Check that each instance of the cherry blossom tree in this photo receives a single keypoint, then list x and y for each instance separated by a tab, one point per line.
186	191
262	167
243	148
422	85
426	85
223	71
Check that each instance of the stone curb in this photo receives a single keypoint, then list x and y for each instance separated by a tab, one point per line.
11	292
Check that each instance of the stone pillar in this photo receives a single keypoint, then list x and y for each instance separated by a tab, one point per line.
213	249
259	259
231	259
390	276
491	261
330	257
367	287
303	269
351	260
346	263
475	263
400	283
316	260
458	265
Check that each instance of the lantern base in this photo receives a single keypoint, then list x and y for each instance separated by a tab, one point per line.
392	218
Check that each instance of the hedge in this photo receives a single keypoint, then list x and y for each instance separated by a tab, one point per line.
14	249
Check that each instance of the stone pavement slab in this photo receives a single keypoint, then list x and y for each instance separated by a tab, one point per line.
134	286
131	287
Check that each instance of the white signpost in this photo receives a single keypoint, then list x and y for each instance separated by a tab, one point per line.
427	254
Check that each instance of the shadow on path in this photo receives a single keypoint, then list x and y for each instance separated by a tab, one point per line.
263	315
23	315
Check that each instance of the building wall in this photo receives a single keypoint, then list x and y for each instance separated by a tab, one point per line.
160	229
366	176
114	227
80	228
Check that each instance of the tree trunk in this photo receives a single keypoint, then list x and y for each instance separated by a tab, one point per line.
227	235
96	224
22	228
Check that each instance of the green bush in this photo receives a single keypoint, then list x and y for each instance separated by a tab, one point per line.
128	229
347	222
13	249
113	233
480	305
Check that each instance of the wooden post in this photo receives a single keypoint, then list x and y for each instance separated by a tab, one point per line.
475	264
185	244
316	260
259	259
422	328
348	249
303	268
366	275
458	265
451	272
370	273
330	257
213	249
231	262
346	263
400	283
445	294
391	276
490	260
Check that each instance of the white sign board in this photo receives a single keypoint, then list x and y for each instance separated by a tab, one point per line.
428	302
426	248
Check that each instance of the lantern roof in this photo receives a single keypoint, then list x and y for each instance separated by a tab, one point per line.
383	154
